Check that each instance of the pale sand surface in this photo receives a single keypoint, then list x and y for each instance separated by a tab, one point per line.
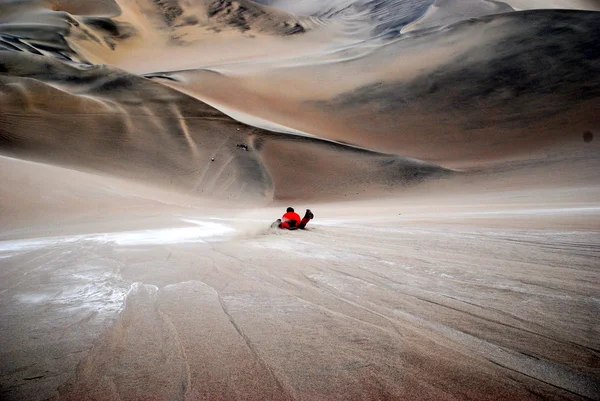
475	82
352	310
455	296
448	149
445	12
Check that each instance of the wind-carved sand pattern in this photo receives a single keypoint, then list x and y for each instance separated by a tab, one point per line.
448	150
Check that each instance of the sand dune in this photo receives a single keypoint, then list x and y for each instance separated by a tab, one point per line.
135	128
379	17
473	81
191	34
448	150
446	12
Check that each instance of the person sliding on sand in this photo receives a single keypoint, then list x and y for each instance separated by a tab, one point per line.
291	220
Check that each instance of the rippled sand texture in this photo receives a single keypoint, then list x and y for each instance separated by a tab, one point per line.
449	150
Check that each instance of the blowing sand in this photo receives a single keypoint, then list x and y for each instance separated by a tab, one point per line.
449	151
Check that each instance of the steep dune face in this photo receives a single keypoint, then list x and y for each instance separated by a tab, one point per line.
422	95
343	8
152	35
427	94
305	168
105	120
445	12
33	29
245	16
503	98
380	16
137	35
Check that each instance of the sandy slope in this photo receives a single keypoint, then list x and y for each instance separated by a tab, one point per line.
135	128
454	254
446	12
447	297
425	96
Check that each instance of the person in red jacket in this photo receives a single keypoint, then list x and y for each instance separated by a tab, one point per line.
291	220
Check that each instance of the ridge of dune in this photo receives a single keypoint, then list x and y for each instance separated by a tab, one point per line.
446	12
396	16
337	113
143	28
142	130
380	17
432	90
341	8
242	14
192	34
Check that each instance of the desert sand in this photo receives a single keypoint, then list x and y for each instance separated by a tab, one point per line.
448	149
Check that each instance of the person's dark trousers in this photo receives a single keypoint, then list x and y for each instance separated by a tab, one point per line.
303	223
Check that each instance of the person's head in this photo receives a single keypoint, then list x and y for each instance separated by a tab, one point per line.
289	209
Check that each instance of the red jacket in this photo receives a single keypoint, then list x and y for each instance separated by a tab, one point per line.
291	216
